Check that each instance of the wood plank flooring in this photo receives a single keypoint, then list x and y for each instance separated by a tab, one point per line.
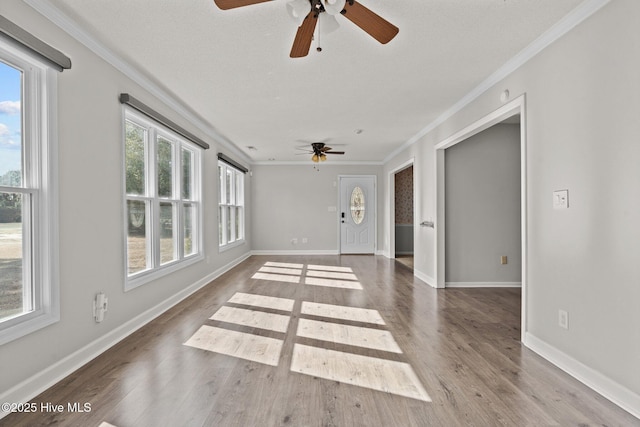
390	351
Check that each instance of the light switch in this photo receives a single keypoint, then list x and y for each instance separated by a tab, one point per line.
561	199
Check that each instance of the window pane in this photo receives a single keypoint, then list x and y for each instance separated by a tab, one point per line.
239	190
228	182
167	239
228	224
137	240
165	170
357	205
220	222
135	144
189	244
10	126
220	184
14	294
187	174
238	223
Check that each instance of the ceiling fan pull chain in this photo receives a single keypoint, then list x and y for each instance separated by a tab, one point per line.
319	48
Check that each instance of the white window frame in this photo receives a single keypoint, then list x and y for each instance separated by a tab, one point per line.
156	269
236	202
39	186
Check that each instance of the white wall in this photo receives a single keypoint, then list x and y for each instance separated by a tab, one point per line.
292	201
482	208
91	225
582	104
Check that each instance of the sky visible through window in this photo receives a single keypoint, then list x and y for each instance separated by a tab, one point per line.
10	122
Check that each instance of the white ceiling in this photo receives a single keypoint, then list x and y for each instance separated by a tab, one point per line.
232	68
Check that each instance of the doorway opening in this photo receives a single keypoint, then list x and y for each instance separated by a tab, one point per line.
404	216
509	112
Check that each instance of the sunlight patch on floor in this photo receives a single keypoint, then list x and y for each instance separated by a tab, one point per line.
331	275
283	264
342	312
375	373
329	268
371	372
263	301
357	336
252	318
237	344
332	283
280	270
276	277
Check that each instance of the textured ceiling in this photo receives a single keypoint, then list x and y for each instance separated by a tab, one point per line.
233	68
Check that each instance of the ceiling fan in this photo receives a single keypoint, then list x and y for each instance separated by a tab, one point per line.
307	13
319	152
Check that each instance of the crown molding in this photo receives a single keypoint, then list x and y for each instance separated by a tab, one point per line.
306	163
47	9
562	27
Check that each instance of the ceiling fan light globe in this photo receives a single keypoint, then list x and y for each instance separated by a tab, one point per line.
315	158
323	157
298	10
333	7
328	24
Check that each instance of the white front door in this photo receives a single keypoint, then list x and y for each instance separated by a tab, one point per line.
357	214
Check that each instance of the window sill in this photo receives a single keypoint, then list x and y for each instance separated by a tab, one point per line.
144	277
27	323
232	245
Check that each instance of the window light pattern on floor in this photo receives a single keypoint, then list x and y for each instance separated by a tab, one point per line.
245	345
377	373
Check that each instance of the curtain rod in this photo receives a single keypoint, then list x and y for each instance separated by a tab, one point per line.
13	32
129	100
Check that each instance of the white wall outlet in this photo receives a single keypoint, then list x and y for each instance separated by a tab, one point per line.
100	307
332	209
561	199
563	319
305	240
294	241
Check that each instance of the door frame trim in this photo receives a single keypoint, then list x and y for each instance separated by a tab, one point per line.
375	210
516	106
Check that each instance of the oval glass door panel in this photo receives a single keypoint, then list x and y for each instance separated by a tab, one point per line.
357	205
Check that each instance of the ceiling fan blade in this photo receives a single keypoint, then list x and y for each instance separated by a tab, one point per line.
302	42
374	25
334	152
232	4
325	148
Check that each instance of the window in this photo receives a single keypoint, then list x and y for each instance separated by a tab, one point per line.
28	264
163	206
231	205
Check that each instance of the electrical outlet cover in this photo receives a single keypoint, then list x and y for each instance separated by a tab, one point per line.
561	199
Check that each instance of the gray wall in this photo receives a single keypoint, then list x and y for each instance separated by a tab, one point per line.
91	224
582	103
482	205
292	201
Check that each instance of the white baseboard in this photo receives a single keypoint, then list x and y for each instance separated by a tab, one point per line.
615	392
483	285
425	278
295	252
41	381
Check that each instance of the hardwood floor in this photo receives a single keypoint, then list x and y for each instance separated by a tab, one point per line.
368	327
